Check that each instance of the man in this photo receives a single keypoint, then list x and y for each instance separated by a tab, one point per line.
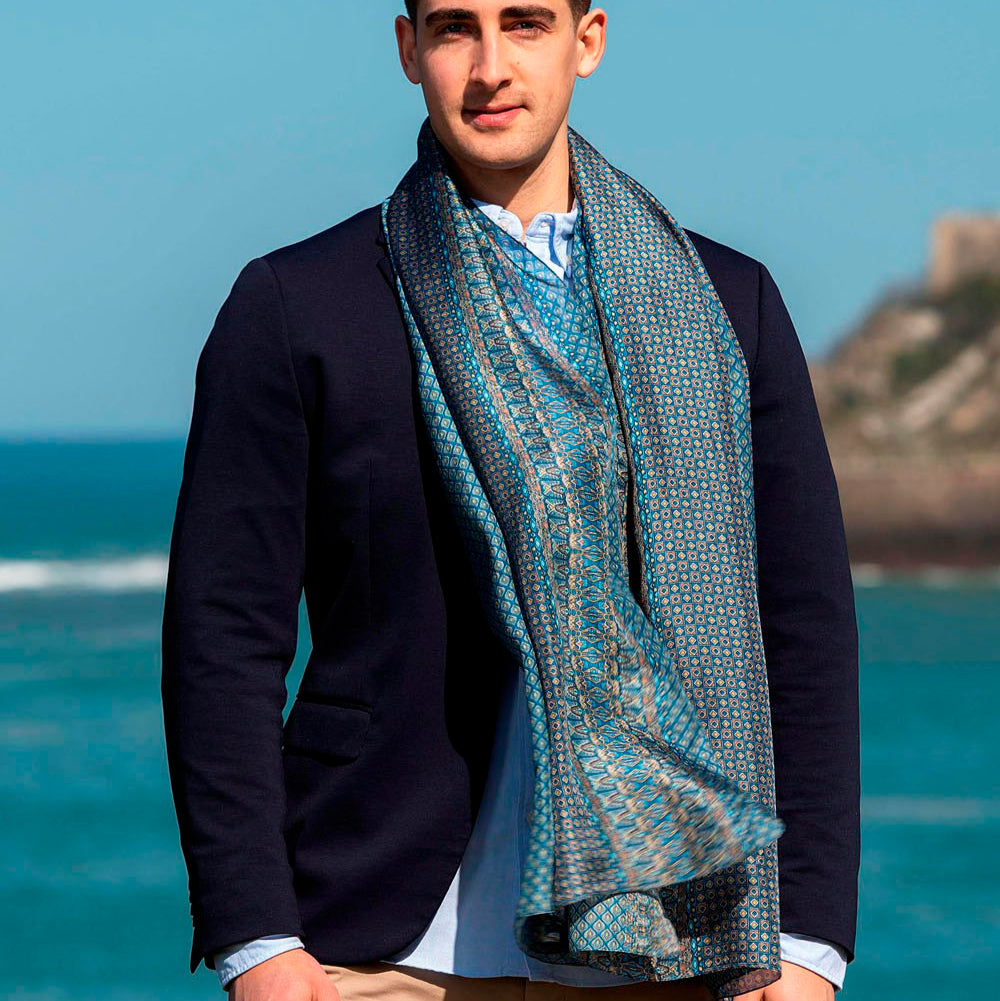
499	428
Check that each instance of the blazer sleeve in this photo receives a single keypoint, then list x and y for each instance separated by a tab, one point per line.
230	619
810	636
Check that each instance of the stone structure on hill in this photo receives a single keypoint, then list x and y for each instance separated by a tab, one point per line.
961	246
910	402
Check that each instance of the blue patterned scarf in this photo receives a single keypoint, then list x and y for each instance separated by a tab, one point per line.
652	850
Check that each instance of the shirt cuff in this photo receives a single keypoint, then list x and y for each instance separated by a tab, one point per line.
827	959
242	956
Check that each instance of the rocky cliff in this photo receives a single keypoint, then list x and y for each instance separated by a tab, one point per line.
910	403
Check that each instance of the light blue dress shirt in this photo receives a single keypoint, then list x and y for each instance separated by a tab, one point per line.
471	932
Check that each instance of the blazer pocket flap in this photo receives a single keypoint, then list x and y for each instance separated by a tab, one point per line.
326	729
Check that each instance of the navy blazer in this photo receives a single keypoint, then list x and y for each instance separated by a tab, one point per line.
308	466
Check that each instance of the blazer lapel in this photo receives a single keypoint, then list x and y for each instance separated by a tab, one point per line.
384	264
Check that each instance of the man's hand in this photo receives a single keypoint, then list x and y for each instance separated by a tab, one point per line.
289	976
796	983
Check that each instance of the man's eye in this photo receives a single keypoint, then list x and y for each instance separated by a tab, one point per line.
527	25
454	28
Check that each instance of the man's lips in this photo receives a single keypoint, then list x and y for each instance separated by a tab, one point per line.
498	115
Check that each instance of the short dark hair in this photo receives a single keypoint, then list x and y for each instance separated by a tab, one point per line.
579	8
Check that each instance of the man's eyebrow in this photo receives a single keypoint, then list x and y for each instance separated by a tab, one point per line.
463	14
530	11
450	14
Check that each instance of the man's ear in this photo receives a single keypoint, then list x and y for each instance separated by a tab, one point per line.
406	42
592	36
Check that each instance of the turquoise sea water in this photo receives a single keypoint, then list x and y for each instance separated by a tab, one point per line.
93	891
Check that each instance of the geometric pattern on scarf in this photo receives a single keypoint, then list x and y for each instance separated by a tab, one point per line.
652	828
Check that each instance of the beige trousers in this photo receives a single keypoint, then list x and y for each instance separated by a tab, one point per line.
389	982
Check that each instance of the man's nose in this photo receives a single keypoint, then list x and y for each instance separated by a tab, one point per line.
491	69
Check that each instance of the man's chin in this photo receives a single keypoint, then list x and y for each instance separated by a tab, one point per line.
499	151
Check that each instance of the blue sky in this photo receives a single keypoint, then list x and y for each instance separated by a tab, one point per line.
149	151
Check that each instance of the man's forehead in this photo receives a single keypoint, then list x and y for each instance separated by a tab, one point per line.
474	9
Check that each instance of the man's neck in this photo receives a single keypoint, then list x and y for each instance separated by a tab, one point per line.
525	191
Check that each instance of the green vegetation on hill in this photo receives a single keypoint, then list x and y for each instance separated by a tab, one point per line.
920	374
969	311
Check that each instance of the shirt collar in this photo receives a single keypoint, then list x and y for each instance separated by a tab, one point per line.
549	235
562	223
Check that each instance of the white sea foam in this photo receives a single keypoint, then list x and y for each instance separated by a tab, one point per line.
868	574
146	572
930	575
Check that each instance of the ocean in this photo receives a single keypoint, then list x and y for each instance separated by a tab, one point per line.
91	878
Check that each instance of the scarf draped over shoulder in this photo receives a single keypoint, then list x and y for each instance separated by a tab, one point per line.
652	849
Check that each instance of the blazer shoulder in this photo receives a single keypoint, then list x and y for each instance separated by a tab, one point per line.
350	244
725	265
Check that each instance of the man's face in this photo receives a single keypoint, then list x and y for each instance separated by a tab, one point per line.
497	76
